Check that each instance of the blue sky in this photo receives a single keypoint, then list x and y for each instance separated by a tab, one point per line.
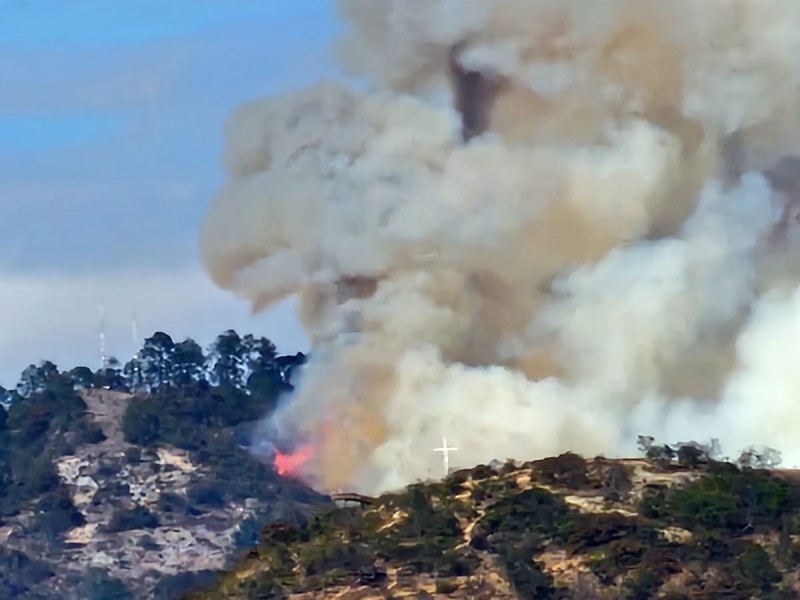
111	116
90	22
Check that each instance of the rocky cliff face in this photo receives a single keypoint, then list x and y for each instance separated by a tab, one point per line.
145	514
562	527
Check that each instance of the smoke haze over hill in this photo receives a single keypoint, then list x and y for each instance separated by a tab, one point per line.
612	251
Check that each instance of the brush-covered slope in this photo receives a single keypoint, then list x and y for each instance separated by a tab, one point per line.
561	527
133	482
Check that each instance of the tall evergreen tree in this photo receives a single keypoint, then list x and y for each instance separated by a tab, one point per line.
133	371
259	354
157	361
226	359
187	363
288	364
35	379
82	378
111	377
7	397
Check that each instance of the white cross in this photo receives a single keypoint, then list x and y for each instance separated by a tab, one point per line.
445	450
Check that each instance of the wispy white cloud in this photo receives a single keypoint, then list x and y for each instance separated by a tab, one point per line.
55	317
115	210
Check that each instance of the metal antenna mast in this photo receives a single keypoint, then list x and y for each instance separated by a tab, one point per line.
136	365
135	334
103	357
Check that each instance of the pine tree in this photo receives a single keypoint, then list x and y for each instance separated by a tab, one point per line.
187	363
82	378
157	361
226	360
35	379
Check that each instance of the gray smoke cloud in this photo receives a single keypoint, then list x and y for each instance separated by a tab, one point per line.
544	226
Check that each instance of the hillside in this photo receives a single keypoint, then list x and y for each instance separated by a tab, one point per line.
137	481
133	521
561	527
143	490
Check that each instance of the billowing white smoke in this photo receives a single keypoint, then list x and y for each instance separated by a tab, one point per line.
610	253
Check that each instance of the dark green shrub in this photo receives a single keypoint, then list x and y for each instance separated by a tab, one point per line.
569	470
102	586
444	586
456	478
584	531
146	542
37	475
457	563
133	455
55	514
172	504
260	587
641	585
325	554
19	573
205	495
141	426
90	433
527	576
509	467
281	534
756	567
172	587
246	535
137	517
613	479
531	511
482	472
111	492
726	499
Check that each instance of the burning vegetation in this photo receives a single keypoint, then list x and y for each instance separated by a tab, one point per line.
290	464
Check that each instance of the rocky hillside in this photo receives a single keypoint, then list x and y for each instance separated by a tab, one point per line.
142	522
561	527
137	482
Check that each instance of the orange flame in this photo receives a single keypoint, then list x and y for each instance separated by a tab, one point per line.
289	464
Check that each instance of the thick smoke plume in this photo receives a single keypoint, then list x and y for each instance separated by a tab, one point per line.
546	225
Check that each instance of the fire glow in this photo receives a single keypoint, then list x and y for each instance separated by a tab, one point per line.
289	465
